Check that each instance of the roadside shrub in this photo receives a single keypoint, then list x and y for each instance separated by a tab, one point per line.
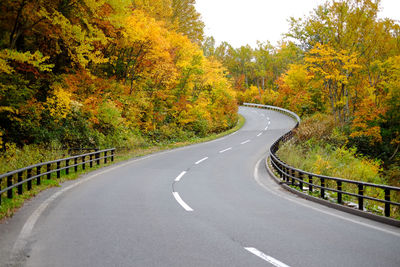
14	157
331	161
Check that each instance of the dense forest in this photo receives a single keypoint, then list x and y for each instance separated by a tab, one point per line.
339	68
84	73
124	73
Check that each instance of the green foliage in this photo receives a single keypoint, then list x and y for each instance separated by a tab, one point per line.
331	161
342	60
109	73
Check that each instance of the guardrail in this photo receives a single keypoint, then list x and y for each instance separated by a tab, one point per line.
296	177
17	178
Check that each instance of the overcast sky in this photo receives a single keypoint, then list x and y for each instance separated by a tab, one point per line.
241	22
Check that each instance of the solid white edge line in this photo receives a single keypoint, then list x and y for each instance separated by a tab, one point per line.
199	161
258	180
181	202
180	176
222	151
25	233
244	142
259	134
265	257
23	237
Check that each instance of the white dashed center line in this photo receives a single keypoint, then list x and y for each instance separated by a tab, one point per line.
199	161
242	143
265	257
222	151
259	134
181	202
180	176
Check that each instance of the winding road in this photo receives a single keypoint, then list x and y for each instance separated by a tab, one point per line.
210	204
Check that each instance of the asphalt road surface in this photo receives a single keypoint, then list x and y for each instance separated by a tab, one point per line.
210	204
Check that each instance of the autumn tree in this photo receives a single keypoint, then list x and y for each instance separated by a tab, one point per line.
187	20
335	68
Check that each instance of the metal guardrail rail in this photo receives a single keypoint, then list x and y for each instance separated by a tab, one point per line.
296	177
17	178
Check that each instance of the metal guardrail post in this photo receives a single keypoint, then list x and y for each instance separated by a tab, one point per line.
280	171
91	162
284	173
387	205
339	194
18	178
291	173
288	173
83	163
301	180
48	170
360	198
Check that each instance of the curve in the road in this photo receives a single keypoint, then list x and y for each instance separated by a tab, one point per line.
127	215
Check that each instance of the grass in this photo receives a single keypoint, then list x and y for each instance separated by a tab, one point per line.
9	206
339	162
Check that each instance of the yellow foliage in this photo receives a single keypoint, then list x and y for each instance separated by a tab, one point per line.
321	166
59	105
35	59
